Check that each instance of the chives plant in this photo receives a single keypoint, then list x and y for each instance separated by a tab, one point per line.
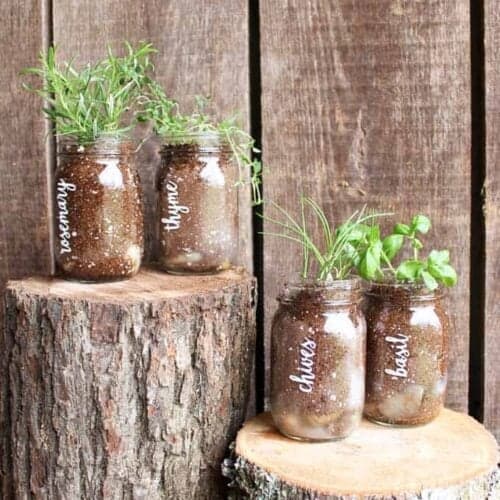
339	253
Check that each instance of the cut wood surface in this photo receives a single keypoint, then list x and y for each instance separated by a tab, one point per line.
368	103
452	457
491	208
203	51
124	390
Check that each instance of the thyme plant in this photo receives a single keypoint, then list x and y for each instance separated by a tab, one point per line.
169	123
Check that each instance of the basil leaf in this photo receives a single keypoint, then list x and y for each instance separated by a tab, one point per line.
409	270
421	224
403	229
444	273
439	257
429	280
369	265
392	245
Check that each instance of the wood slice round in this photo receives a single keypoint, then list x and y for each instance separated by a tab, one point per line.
122	390
453	457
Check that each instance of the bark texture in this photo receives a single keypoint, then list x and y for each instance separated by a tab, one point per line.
453	458
127	390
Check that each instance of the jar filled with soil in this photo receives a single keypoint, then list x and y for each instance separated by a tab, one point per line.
197	205
98	211
318	361
407	354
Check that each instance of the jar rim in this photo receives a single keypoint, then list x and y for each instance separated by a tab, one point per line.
103	145
338	292
413	291
208	139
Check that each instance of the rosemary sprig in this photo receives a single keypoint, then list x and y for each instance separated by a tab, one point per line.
95	100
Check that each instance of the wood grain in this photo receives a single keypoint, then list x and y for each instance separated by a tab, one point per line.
125	390
368	103
203	50
452	457
24	214
491	208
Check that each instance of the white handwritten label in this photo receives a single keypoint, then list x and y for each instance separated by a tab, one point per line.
306	366
63	188
399	345
173	221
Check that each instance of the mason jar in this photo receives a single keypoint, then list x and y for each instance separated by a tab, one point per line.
98	211
407	354
197	205
318	360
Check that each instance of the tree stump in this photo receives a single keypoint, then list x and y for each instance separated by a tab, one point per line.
452	458
129	390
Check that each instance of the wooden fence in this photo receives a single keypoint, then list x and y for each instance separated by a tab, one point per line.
390	103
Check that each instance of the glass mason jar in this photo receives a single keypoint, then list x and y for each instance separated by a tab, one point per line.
318	360
98	211
197	205
407	354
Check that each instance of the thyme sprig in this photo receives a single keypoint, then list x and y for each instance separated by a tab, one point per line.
95	100
169	123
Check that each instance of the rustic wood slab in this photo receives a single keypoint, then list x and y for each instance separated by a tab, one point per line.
124	390
454	456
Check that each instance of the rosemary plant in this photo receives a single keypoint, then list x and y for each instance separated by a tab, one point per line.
339	253
97	99
168	122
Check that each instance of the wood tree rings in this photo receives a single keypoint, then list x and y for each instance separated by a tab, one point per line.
124	390
453	457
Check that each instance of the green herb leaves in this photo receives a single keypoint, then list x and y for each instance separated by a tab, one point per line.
339	252
376	259
93	101
169	123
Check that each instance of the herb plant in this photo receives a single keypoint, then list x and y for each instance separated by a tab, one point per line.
337	255
168	122
376	255
96	100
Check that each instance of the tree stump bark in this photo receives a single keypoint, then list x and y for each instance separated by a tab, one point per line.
128	390
452	458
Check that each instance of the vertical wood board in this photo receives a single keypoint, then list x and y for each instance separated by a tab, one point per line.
368	103
203	50
491	208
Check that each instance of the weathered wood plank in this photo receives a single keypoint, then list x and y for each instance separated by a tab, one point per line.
492	219
24	214
203	50
368	102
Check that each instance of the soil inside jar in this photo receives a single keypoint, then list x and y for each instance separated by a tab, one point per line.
407	355
99	221
198	210
324	402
